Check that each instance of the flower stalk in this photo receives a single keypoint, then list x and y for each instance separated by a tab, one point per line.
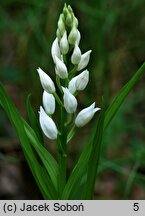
62	153
70	79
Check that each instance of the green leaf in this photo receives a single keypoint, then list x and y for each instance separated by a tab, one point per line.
33	119
95	156
48	161
79	191
45	175
80	168
77	173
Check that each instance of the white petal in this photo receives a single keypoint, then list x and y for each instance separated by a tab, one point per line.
76	56
47	124
46	81
85	115
72	85
48	102
64	45
55	51
78	37
84	60
61	69
82	80
79	82
70	102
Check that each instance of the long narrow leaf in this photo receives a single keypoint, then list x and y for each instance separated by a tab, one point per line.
117	102
48	161
34	120
29	154
76	175
95	157
35	167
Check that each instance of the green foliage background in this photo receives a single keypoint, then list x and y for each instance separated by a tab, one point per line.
115	31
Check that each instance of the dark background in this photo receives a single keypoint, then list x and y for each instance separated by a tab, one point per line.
115	31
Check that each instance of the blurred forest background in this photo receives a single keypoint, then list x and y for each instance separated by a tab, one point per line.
115	31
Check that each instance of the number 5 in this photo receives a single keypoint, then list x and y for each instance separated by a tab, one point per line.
136	206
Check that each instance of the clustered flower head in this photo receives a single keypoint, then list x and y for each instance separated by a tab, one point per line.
68	60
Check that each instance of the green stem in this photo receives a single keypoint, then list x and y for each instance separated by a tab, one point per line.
71	133
73	72
65	59
58	83
66	82
58	99
62	153
68	123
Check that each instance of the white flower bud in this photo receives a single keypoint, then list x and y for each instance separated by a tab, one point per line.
78	37
46	81
84	60
70	9
76	56
61	69
47	124
65	10
61	25
64	46
55	51
75	21
85	115
82	80
48	103
58	35
72	85
73	35
69	20
79	82
70	102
